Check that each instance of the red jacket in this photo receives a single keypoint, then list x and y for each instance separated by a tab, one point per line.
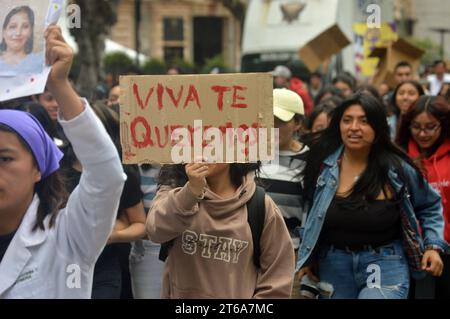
298	87
437	169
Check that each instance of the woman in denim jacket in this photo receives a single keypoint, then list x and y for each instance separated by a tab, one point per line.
367	200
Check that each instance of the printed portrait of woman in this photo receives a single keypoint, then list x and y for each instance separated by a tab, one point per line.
16	47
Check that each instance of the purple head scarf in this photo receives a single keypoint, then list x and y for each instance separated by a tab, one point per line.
46	153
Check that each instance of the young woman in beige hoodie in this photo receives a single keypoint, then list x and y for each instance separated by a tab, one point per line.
202	207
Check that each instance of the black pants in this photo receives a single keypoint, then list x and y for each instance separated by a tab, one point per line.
107	279
424	288
124	260
432	287
443	282
112	273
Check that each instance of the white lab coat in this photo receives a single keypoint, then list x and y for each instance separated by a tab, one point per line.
59	262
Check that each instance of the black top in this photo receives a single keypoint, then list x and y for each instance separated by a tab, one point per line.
131	195
357	223
5	240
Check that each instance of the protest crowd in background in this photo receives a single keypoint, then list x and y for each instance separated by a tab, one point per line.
362	178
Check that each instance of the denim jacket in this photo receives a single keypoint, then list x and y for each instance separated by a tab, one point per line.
421	205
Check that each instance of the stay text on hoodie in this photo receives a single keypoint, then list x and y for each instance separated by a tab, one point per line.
212	254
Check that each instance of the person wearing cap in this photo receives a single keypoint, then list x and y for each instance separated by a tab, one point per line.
282	78
288	110
48	243
283	179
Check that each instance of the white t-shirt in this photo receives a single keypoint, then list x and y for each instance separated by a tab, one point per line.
435	84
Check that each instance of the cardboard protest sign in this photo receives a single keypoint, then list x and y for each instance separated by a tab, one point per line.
366	40
324	46
390	55
175	119
22	48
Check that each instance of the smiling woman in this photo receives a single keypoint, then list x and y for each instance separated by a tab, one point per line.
425	134
365	197
16	47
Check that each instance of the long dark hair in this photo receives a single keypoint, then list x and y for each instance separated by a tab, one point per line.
394	107
370	89
326	107
110	120
51	190
434	105
331	90
383	154
347	79
30	42
41	114
174	175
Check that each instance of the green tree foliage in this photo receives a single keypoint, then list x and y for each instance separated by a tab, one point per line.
97	18
186	67
117	63
216	62
154	66
432	50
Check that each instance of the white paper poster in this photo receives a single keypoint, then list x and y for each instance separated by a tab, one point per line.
22	47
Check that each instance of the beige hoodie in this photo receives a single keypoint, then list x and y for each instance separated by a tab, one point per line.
212	256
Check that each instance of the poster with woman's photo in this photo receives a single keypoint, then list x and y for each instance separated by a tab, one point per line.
22	46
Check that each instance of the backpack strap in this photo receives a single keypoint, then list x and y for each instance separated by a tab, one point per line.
164	250
256	213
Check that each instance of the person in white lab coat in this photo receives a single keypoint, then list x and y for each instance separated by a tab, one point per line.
48	248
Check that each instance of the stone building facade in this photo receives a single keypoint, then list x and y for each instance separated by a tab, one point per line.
192	30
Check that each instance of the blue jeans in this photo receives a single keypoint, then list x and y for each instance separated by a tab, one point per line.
380	273
146	270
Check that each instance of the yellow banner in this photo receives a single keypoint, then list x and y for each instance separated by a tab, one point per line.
366	39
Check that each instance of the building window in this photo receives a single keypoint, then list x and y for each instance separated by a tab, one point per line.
173	53
410	27
173	29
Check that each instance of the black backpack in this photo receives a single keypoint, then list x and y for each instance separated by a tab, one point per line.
256	208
